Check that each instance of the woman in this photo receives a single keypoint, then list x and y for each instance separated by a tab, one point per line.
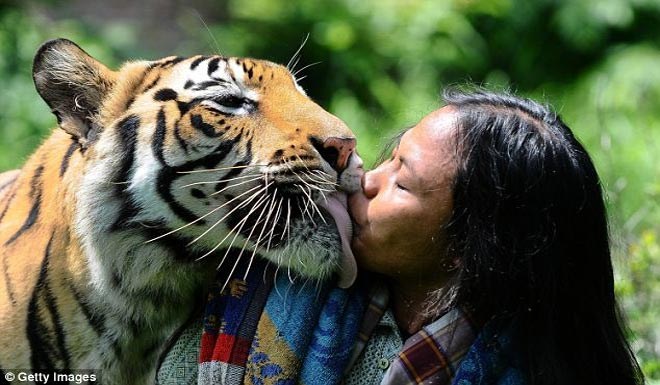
489	227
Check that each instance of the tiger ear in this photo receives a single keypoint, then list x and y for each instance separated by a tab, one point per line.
74	85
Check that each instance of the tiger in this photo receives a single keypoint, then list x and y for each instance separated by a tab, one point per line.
160	175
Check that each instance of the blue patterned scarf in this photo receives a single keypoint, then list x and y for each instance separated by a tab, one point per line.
491	360
282	333
305	335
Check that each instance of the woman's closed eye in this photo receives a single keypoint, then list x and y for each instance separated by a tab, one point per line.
401	186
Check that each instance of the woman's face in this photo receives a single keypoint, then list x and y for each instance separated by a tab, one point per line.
406	201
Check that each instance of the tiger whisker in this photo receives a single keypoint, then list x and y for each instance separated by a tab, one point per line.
232	186
288	271
310	202
304	68
312	186
277	270
295	63
321	181
288	217
325	178
242	204
288	65
202	217
244	221
322	191
249	237
263	228
270	212
325	182
231	231
224	180
303	163
217	46
231	244
306	209
316	207
310	174
221	168
272	230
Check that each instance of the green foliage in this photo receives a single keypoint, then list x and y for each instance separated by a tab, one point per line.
383	65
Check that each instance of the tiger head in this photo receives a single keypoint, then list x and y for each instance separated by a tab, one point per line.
226	156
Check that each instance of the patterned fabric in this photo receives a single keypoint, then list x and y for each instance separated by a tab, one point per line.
260	332
380	351
305	335
180	364
491	360
431	355
378	300
366	365
230	321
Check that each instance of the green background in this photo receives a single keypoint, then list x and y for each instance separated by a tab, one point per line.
382	65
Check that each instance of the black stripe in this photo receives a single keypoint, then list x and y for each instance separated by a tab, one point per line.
51	303
9	182
169	63
213	65
189	83
168	174
134	92
208	83
165	94
196	62
10	198
129	103
249	71
183	107
128	130
95	320
67	157
177	134
164	185
35	194
159	137
151	85
5	265
45	353
235	171
198	122
5	272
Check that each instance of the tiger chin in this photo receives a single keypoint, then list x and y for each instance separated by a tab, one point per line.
160	175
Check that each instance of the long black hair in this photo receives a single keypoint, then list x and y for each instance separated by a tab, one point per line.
529	236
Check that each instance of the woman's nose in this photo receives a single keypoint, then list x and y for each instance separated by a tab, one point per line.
370	183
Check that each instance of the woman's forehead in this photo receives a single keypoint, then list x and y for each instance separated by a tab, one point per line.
428	147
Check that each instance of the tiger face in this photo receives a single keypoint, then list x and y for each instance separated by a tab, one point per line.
200	158
159	174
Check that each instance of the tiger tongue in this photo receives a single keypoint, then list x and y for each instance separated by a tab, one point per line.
336	204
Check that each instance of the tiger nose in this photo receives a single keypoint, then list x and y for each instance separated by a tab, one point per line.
336	151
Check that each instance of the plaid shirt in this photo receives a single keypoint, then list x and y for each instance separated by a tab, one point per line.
430	356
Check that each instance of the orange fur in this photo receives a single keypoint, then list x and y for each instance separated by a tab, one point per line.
61	303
